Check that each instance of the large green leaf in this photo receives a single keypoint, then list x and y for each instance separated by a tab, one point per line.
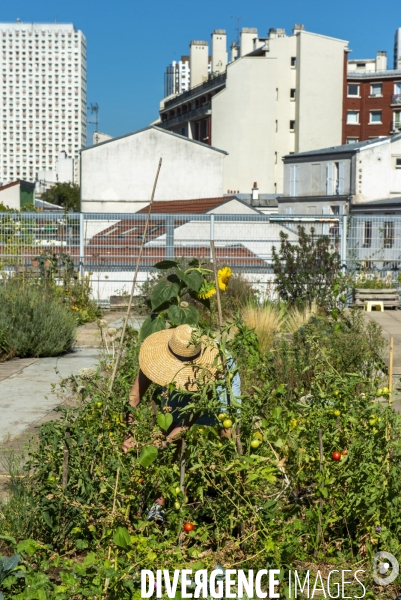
193	279
148	456
151	325
29	546
204	301
162	293
179	315
166	264
122	538
164	420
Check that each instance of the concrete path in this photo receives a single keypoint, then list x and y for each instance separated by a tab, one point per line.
26	396
390	322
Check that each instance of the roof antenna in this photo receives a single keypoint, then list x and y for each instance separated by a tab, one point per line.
238	19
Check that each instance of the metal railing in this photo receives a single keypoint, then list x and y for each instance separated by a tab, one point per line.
107	245
212	82
396	99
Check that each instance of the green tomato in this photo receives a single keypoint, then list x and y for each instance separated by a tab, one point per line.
385	391
177	505
379	392
177	490
227	423
255	444
336	392
99	404
222	416
51	479
337	413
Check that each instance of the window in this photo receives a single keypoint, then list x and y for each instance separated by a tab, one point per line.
397	119
375	116
292	125
376	89
352	140
353	90
292	93
352	117
335	179
398	163
388	234
367	234
294	178
397	87
293	61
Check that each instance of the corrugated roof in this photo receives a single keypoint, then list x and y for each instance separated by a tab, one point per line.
187	207
374	74
348	148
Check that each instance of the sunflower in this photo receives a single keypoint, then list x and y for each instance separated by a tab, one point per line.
223	276
207	290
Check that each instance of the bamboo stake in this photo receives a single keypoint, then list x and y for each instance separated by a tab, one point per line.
390	371
237	431
120	347
390	398
182	481
319	527
107	581
66	458
216	278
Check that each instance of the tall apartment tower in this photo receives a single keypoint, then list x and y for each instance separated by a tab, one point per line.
397	49
43	95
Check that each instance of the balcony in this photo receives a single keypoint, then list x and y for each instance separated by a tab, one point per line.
198	90
396	99
196	113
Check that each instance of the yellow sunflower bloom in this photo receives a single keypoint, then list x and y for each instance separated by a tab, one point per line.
223	276
207	290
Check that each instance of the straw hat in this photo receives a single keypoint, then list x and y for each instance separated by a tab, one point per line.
168	356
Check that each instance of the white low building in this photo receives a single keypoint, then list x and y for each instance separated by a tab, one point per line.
352	175
118	175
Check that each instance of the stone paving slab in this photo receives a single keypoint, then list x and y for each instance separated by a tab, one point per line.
15	365
26	396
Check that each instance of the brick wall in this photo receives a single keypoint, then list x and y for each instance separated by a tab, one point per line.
365	104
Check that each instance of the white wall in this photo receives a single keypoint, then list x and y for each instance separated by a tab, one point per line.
377	177
243	123
118	176
320	82
11	197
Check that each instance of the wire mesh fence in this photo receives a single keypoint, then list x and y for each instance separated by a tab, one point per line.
107	245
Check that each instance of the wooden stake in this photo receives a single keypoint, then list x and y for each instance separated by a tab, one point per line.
115	489
65	459
182	480
138	262
390	371
319	527
216	278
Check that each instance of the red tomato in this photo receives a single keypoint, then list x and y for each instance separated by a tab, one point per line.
336	456
189	527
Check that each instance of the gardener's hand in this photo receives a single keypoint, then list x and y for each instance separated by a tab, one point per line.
128	443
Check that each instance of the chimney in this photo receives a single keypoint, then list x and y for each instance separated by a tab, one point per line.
219	51
234	52
298	27
198	62
381	61
255	192
248	34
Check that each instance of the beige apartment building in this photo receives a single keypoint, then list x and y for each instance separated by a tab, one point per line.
278	95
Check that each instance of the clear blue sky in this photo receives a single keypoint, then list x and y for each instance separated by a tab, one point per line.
130	42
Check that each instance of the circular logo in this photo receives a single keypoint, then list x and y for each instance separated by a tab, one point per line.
381	568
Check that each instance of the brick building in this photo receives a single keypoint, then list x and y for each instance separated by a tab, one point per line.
372	100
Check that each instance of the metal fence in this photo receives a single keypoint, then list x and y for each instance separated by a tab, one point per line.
107	245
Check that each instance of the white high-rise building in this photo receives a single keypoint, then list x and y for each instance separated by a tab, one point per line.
43	97
397	49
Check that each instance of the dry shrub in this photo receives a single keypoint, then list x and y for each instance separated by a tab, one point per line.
267	320
296	318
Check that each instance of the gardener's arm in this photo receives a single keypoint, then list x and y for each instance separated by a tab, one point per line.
136	394
139	389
